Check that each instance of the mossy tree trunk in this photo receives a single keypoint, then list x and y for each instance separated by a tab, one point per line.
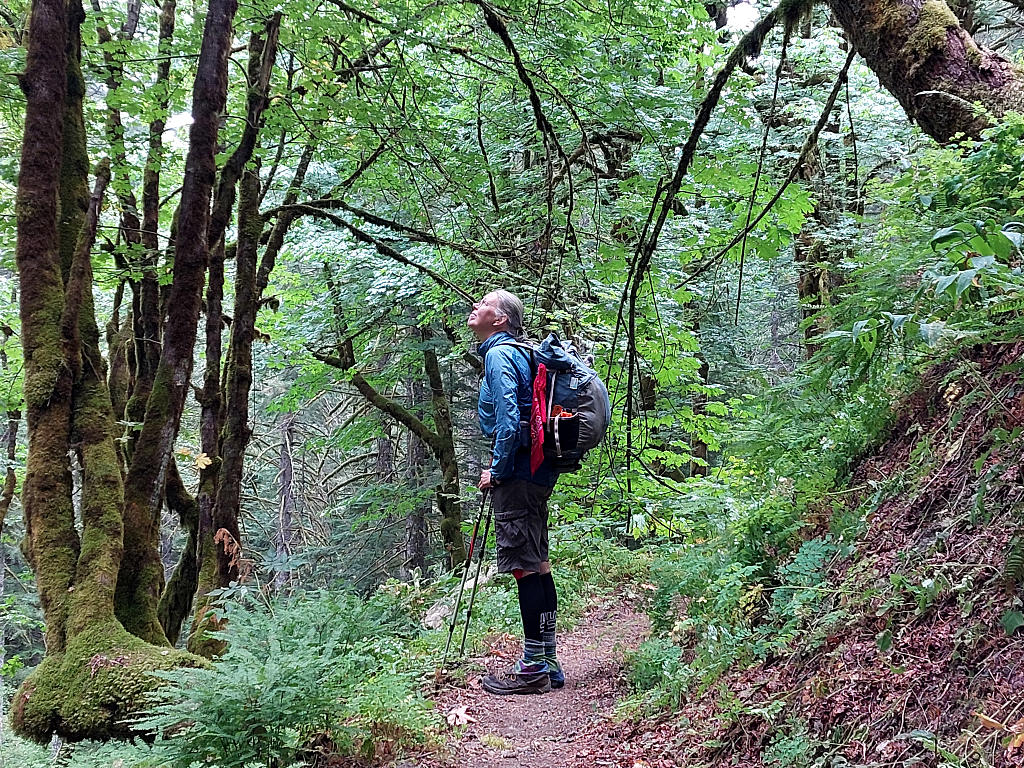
225	420
449	501
95	672
141	579
51	543
923	56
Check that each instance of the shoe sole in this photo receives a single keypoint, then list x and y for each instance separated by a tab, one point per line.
555	686
514	692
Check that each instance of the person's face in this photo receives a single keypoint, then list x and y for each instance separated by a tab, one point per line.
486	319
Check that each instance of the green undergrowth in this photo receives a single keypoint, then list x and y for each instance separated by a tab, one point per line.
786	575
764	564
326	673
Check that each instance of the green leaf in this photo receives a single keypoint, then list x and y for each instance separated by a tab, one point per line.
1012	621
932	332
944	283
950	234
964	280
884	641
1002	245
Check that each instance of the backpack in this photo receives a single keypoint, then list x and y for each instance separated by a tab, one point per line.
578	407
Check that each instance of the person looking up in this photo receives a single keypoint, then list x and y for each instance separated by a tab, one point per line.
520	497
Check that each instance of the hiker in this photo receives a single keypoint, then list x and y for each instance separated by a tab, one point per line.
520	497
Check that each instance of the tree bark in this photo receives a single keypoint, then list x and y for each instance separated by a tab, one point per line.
95	675
416	520
9	444
140	580
51	542
924	57
815	271
449	500
285	532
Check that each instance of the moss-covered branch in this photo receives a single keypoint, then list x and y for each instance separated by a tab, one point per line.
140	580
928	61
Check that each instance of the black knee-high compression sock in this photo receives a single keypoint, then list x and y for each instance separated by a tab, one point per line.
548	619
531	606
550	595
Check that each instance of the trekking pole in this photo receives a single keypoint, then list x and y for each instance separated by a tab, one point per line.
462	583
476	578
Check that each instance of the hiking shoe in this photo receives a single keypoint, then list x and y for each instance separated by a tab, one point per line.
515	682
557	678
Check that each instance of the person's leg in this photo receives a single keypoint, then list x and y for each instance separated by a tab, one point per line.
532	606
548	620
517	554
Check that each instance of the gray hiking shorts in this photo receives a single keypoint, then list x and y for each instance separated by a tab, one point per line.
521	525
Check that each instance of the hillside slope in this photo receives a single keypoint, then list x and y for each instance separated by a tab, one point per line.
912	650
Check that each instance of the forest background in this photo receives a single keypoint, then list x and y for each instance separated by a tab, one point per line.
236	256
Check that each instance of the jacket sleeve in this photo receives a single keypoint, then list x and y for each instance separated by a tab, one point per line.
503	383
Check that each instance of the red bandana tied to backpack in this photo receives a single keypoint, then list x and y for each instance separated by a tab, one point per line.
538	415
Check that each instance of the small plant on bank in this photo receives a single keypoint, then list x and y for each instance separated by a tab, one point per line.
315	672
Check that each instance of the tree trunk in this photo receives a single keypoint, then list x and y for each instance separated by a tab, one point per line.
211	420
923	56
176	600
285	532
94	675
815	271
9	443
141	579
449	500
49	516
698	448
416	520
219	532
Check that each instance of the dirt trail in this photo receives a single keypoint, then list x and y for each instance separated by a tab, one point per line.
568	727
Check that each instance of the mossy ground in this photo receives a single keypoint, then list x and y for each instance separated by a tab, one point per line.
95	688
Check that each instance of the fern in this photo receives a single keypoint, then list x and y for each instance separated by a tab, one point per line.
1012	303
1013	570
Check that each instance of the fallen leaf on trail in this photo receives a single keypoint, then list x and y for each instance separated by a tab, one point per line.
1018	740
954	450
989	722
459	716
1015	743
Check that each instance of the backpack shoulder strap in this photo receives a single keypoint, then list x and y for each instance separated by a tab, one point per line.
526	349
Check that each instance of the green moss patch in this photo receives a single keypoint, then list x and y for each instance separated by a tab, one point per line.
931	31
95	689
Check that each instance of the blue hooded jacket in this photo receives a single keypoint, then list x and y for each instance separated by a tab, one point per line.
506	394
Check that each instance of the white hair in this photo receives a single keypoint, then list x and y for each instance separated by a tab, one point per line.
512	308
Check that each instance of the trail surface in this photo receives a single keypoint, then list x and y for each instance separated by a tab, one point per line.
569	727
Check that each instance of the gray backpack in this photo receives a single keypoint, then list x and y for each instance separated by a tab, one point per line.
578	406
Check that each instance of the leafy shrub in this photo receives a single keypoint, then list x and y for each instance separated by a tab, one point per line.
658	672
790	747
322	665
